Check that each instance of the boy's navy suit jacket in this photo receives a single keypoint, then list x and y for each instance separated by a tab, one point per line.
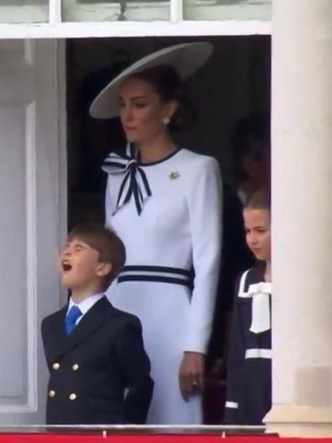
100	373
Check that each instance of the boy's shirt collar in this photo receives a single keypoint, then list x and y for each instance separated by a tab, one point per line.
86	304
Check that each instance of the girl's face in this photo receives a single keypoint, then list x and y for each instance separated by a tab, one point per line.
142	111
258	235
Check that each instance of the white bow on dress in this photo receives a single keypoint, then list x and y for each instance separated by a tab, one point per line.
261	316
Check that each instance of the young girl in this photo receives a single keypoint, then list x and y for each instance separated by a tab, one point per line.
249	358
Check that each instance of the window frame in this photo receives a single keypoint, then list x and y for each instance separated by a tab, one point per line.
176	26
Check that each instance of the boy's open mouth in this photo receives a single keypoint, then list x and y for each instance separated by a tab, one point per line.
66	266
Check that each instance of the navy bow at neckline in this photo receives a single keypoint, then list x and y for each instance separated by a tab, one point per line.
134	184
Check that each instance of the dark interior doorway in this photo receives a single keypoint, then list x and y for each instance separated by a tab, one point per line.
234	83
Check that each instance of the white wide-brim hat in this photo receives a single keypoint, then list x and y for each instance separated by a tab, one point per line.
185	58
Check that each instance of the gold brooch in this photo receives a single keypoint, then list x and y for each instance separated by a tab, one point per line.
174	175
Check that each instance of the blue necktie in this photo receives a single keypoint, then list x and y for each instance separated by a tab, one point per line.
72	316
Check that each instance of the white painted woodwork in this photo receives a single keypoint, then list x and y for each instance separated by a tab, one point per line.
135	29
30	225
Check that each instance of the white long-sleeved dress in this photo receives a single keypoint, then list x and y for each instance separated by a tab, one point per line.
168	214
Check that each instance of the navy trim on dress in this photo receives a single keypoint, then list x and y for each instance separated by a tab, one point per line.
164	269
175	276
134	185
162	160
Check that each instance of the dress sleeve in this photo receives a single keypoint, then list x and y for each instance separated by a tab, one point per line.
108	204
205	214
235	359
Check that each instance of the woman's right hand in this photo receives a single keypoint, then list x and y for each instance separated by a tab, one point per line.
191	374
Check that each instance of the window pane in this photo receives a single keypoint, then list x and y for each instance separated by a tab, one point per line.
23	11
227	9
116	10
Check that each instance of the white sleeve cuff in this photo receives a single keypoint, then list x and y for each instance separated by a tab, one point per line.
232	405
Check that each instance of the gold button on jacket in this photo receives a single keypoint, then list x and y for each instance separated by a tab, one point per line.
51	393
72	396
75	367
56	366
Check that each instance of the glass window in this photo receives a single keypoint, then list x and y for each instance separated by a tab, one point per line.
116	10
23	11
227	9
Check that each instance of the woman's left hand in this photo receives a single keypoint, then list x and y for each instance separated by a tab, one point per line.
191	374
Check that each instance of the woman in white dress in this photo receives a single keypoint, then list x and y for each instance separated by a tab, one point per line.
164	201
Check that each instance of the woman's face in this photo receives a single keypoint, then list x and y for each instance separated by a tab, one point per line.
142	111
258	235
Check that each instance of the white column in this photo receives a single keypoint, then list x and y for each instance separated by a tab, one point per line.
302	217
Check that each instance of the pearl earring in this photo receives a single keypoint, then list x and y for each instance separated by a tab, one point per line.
166	120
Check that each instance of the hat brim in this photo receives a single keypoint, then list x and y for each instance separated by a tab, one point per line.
186	58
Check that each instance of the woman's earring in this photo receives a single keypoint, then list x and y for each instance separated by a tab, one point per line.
166	120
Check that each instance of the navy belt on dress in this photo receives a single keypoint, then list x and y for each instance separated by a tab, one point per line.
158	274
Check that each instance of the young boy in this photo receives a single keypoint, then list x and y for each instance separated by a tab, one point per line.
249	357
99	371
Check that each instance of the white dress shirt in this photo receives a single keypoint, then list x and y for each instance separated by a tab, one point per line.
85	305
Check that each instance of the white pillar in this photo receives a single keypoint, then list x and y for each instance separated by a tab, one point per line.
302	217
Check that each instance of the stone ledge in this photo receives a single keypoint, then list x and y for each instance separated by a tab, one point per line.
299	421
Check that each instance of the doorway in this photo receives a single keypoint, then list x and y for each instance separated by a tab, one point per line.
234	83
